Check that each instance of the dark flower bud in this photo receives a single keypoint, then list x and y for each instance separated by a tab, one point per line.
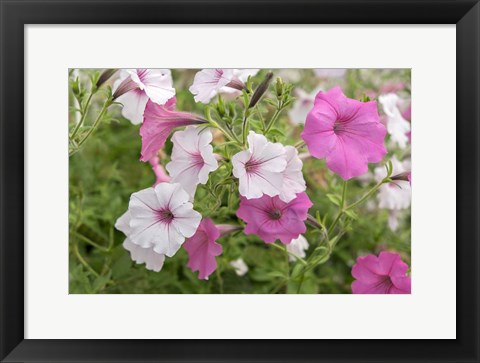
105	76
402	176
261	89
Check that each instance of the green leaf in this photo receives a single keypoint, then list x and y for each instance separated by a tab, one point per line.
334	198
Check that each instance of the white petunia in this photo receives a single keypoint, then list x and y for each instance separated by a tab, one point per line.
161	218
152	260
192	158
260	168
396	195
238	80
137	86
397	126
208	82
293	181
239	266
298	247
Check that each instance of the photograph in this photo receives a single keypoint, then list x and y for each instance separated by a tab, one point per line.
239	181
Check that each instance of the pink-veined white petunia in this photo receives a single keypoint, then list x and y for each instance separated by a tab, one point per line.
209	82
161	218
260	168
136	86
192	158
293	181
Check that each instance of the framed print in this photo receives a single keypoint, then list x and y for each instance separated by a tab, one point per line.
192	181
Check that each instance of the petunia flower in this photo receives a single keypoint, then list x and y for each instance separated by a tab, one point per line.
152	260
239	266
346	132
160	174
202	249
260	168
397	126
209	82
297	247
136	86
293	181
192	158
385	274
239	78
161	218
159	122
272	219
330	72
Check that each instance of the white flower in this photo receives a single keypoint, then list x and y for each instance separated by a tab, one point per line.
302	106
192	158
330	72
152	260
293	181
161	218
260	168
396	195
297	247
140	85
397	126
239	75
208	82
240	266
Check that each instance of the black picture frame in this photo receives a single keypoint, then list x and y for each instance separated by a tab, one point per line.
16	14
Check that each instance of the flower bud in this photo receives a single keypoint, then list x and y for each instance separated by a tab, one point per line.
402	176
279	87
105	76
261	89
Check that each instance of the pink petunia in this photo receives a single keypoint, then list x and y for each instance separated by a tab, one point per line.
348	133
202	249
272	219
158	123
385	274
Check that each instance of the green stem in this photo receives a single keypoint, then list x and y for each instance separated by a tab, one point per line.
368	194
287	262
342	210
82	260
273	119
90	242
244	129
84	113
99	118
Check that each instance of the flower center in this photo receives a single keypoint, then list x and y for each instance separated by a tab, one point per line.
386	283
338	127
275	214
165	216
251	166
197	160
